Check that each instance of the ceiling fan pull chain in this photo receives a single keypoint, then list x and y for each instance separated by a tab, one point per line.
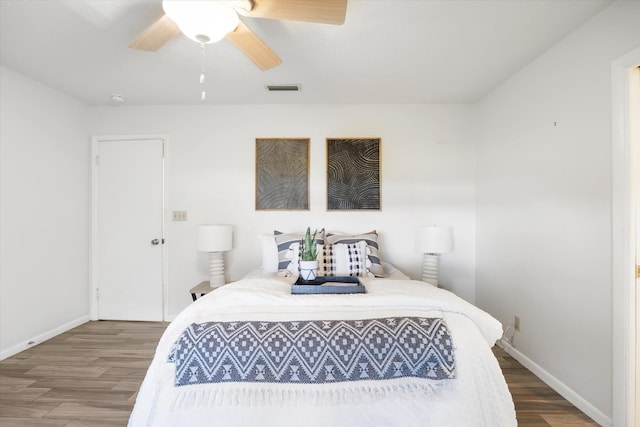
202	49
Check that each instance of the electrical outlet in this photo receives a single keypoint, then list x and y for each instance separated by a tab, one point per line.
516	323
179	215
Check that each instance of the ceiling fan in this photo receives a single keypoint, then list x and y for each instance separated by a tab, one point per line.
207	21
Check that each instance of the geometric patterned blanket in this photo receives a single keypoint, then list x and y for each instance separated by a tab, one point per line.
314	352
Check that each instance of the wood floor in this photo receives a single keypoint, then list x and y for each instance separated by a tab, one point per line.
537	405
89	377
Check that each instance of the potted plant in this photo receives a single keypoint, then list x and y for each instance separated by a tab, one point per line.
308	256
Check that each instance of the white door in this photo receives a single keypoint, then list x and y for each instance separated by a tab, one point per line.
634	142
129	229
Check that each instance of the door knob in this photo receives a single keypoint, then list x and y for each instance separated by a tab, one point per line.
155	242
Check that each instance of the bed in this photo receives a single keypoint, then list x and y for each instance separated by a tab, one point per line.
405	353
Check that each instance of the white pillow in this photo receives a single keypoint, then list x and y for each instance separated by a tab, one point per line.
269	253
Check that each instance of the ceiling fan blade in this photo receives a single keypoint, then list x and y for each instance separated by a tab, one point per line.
251	45
156	35
320	11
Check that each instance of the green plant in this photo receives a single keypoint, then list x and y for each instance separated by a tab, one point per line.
309	249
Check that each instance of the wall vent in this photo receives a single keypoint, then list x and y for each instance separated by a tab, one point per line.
283	88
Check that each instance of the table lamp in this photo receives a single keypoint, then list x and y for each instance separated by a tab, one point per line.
215	239
432	241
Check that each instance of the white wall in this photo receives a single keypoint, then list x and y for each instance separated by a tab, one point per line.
428	173
44	216
544	205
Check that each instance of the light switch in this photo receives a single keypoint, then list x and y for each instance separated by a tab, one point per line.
179	215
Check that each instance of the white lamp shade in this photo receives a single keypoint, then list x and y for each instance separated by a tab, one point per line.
213	19
215	238
434	239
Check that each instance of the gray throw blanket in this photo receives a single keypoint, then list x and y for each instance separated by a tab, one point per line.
314	352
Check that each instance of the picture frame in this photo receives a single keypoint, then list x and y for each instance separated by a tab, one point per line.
353	174
282	174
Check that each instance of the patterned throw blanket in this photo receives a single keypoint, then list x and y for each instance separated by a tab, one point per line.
314	352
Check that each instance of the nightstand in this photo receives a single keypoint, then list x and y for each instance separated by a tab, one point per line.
201	289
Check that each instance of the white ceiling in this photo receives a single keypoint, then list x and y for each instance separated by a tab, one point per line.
387	51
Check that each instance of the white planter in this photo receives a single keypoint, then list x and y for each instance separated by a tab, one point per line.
308	270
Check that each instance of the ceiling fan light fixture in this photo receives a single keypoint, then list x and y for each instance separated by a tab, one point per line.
201	20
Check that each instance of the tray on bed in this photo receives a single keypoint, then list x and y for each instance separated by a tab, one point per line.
328	285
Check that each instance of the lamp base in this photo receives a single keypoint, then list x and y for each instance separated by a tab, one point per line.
216	269
430	269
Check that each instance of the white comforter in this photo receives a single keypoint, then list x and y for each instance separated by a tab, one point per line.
478	396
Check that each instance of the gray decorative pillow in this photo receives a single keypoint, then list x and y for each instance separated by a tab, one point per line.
284	241
372	243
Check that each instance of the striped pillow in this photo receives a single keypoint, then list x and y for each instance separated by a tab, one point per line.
284	241
293	255
371	238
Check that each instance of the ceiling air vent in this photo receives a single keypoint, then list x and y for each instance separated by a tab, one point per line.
283	88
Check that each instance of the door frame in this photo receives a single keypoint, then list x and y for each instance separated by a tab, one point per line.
623	255
93	281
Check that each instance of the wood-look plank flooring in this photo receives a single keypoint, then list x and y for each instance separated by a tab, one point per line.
537	405
89	377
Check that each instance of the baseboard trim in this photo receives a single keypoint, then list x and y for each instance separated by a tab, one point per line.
43	337
561	388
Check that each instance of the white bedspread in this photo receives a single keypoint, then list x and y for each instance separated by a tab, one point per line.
478	396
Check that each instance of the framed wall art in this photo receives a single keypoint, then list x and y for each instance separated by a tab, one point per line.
282	173
353	174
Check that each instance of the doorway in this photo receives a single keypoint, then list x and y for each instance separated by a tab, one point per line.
625	197
634	148
128	228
